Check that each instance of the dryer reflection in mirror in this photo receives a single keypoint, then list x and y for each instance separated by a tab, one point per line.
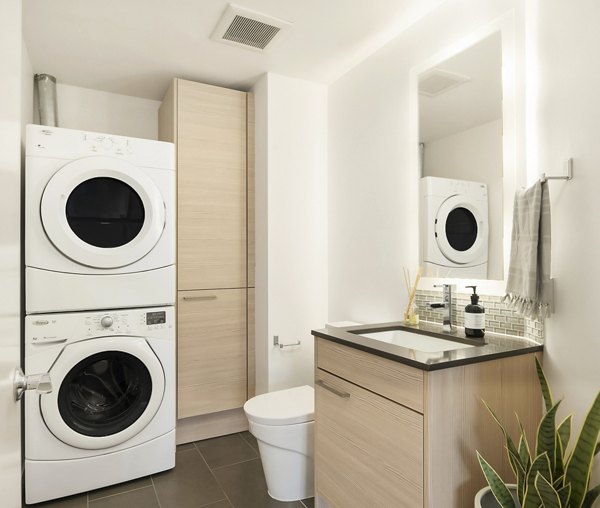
454	228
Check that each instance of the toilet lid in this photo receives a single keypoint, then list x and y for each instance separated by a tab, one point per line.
283	407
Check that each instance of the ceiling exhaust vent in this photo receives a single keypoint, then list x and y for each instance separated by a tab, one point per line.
248	29
436	82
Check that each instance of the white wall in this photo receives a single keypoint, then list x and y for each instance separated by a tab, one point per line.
291	228
475	154
373	169
565	116
373	213
26	90
98	111
10	260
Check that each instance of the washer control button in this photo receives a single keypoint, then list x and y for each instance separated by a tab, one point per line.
106	321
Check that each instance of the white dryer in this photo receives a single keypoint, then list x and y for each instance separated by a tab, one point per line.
99	221
454	228
111	414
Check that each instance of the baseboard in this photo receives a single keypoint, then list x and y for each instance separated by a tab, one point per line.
201	427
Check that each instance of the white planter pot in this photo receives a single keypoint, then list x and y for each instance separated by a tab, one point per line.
485	499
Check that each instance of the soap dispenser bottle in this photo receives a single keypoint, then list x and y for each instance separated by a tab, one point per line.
474	316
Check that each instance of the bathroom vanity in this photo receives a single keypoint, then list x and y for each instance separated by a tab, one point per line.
399	413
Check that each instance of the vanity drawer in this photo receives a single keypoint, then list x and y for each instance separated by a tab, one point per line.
368	449
394	380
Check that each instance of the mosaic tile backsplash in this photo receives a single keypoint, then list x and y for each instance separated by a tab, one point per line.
498	317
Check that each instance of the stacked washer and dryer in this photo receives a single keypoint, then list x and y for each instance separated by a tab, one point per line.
99	296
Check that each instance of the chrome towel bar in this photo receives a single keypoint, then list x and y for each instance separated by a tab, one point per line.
568	176
281	346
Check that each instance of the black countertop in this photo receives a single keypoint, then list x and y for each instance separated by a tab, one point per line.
491	347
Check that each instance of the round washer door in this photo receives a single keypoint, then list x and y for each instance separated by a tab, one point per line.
102	212
105	392
461	230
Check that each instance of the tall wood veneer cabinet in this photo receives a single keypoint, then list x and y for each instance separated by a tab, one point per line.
388	434
213	130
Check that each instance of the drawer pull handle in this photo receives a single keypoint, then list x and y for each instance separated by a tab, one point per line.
210	297
343	395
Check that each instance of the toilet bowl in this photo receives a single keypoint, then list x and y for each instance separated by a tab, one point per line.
283	424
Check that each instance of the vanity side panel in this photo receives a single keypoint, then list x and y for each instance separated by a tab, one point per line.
458	424
519	379
394	380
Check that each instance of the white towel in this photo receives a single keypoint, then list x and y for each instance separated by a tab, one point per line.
529	288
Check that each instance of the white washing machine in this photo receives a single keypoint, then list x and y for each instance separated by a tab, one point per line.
454	228
99	221
110	416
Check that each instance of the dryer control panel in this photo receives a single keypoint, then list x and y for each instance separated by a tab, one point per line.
56	142
156	322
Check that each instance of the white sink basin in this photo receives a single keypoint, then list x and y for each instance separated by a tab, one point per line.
416	341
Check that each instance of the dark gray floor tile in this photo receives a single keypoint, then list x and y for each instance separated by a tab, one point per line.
251	439
218	504
245	486
144	497
309	503
185	446
189	485
226	450
77	501
120	488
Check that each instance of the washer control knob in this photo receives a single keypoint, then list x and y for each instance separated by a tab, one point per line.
106	321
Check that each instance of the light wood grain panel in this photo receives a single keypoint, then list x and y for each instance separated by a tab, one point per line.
211	154
251	191
167	118
457	424
212	352
369	450
251	346
521	395
440	387
211	425
393	380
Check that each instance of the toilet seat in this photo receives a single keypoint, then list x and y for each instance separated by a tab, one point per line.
282	407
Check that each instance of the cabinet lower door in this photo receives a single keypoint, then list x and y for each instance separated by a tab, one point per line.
212	351
368	449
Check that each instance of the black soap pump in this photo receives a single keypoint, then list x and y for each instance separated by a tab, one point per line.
474	316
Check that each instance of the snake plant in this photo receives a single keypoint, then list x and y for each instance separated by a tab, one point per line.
547	476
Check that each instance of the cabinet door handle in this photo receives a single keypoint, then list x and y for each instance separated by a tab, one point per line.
208	297
343	395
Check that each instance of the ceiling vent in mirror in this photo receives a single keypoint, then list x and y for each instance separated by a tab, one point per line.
436	82
248	29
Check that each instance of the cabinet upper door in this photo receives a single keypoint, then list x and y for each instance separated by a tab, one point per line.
212	171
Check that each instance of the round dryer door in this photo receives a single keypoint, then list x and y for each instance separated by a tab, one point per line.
461	230
106	391
102	212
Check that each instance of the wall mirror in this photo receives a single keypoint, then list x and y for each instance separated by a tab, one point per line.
462	163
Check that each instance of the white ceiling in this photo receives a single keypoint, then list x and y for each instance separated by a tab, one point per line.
473	103
135	47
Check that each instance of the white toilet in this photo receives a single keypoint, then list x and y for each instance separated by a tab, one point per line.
283	423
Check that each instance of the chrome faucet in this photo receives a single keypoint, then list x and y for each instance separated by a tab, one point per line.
445	304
